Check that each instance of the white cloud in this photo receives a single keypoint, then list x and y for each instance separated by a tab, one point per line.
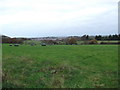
53	11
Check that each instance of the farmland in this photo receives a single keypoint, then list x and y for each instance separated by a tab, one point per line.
60	66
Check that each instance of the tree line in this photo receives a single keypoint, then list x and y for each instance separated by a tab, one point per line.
72	40
110	37
6	39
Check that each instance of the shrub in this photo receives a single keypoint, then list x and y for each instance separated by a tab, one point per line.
72	41
93	41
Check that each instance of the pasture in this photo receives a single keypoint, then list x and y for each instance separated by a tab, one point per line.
60	66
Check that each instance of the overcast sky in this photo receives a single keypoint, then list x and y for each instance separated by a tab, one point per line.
39	18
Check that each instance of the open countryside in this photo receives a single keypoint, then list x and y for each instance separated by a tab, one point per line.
59	44
31	65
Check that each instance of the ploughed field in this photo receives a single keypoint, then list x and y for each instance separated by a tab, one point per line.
60	66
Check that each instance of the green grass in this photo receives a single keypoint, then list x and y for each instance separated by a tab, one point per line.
29	42
111	41
65	66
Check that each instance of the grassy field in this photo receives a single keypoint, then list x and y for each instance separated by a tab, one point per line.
111	41
65	66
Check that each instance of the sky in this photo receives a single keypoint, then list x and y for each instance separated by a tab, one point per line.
42	18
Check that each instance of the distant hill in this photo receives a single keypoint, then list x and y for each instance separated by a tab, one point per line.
7	39
3	36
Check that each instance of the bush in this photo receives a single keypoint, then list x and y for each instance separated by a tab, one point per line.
72	41
93	41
